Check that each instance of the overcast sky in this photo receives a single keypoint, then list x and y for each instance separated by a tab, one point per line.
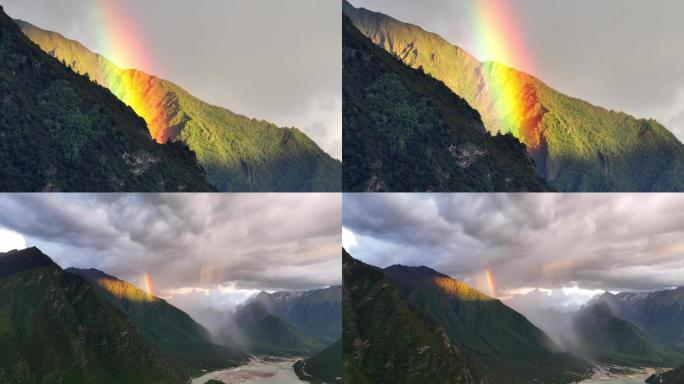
620	54
199	249
268	59
567	247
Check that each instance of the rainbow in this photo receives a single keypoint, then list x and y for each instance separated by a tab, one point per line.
120	41
147	280
498	41
491	283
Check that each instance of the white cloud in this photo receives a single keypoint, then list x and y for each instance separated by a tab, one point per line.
10	240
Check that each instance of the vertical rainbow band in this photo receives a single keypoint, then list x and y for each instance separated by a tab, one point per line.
120	41
498	40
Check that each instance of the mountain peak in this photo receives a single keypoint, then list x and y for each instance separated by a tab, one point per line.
19	260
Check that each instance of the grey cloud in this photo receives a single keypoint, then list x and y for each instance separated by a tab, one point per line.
606	242
252	241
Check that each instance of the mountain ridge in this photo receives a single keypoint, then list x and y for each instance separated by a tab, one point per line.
62	132
238	153
576	146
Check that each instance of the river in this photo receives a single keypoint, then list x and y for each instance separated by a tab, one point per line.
257	371
618	375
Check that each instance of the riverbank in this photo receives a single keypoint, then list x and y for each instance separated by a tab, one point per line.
259	370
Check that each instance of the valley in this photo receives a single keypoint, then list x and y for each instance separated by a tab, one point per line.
620	375
259	370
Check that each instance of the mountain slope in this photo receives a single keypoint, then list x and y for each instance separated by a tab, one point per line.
576	146
55	329
61	132
386	340
495	336
170	330
609	339
238	153
261	332
659	313
325	367
316	312
675	376
405	131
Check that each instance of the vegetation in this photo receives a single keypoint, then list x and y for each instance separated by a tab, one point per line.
59	131
499	339
405	131
322	368
54	328
261	332
387	340
238	153
576	146
317	313
609	339
171	331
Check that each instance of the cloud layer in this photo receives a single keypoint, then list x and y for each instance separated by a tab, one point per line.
571	244
216	244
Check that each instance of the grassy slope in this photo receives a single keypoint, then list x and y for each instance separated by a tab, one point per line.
55	329
576	146
404	131
495	336
238	153
386	340
61	132
174	333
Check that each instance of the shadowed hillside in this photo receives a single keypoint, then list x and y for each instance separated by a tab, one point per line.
406	132
62	132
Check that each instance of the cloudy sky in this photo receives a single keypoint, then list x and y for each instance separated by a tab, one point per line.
553	250
621	54
268	59
199	249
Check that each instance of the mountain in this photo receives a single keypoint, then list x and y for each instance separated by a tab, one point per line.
317	312
609	339
675	376
406	131
170	330
238	153
325	367
62	132
258	331
576	146
54	328
658	313
387	340
495	336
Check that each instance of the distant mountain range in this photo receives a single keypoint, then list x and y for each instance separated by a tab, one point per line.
238	153
300	324
576	146
406	131
61	132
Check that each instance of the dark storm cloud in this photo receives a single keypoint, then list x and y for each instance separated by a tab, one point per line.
620	54
268	59
590	241
247	241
